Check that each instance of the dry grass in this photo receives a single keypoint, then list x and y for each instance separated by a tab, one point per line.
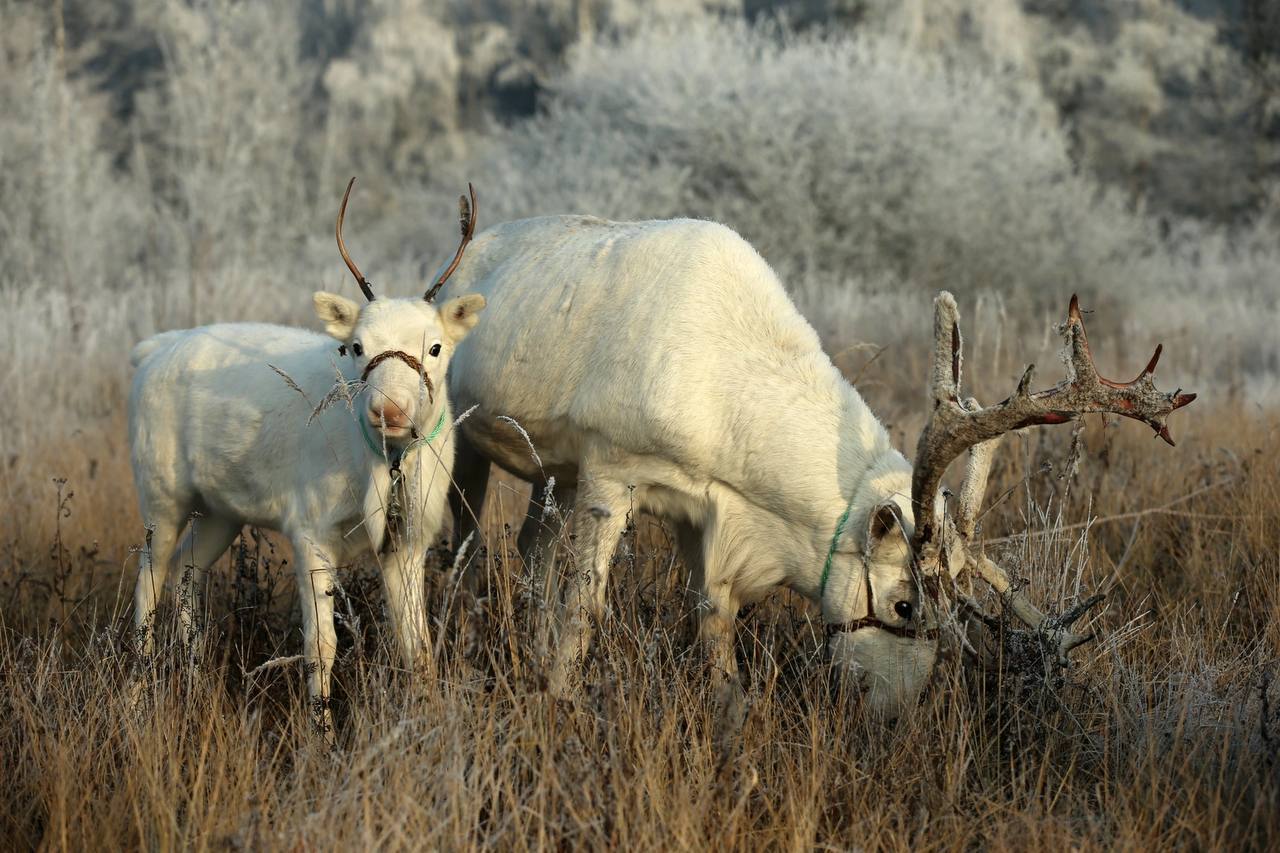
1161	736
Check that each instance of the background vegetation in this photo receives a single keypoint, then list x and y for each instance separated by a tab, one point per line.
168	163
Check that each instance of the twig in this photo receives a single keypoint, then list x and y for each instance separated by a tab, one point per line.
274	663
1164	509
1128	549
857	377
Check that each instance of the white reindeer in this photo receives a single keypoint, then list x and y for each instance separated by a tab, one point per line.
216	433
661	366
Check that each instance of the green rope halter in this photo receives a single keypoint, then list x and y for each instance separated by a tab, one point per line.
377	451
831	552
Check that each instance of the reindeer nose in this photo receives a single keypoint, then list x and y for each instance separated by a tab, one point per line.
389	415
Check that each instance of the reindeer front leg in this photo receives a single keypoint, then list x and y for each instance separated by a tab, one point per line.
600	517
711	590
316	591
404	585
716	636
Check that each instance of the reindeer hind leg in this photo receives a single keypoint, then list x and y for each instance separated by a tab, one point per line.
466	503
208	537
164	519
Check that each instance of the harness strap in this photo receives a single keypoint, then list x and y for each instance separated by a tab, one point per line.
407	359
435	430
394	498
870	620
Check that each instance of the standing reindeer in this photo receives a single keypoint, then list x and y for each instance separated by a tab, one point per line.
216	434
661	366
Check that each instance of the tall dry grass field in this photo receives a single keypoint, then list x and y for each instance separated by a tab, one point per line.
1166	732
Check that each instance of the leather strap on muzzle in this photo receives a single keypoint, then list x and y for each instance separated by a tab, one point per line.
873	621
407	359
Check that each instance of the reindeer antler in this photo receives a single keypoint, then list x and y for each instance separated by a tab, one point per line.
957	424
467	224
366	287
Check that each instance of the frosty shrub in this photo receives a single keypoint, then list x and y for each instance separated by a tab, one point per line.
206	215
51	151
398	85
867	174
870	176
831	154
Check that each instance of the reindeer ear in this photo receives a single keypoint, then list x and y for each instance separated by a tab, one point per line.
883	520
458	316
338	313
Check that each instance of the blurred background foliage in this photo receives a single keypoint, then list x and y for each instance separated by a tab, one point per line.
165	163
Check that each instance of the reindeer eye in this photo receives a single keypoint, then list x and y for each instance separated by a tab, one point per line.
902	608
434	351
357	349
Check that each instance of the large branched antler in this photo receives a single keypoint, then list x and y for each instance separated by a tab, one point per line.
957	424
969	556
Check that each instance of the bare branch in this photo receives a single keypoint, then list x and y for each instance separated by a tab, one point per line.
274	663
1163	509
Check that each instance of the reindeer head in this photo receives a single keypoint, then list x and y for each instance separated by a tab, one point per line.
880	631
401	347
894	660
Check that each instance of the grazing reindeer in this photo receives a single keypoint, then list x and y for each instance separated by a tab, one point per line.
215	433
946	548
661	366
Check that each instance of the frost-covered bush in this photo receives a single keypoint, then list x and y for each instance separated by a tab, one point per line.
1164	106
65	213
870	177
1172	102
842	156
229	154
399	85
198	209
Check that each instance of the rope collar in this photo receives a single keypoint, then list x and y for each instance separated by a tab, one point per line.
396	501
395	462
831	552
